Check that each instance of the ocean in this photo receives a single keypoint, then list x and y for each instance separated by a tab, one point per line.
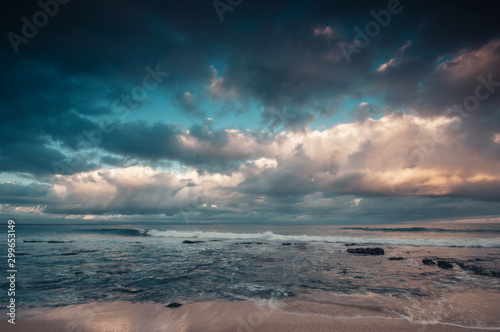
64	264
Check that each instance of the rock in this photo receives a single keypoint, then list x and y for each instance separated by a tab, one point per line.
78	272
286	244
473	268
127	289
366	251
427	261
445	265
116	272
77	252
174	305
350	244
32	241
191	242
478	270
396	258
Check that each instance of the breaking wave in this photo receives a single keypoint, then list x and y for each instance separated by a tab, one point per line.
270	236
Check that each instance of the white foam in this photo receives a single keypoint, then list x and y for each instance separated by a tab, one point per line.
270	236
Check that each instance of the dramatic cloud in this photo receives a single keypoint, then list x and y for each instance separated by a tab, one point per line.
161	109
399	155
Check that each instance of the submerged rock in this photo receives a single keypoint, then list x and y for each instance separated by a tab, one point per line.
77	252
427	261
478	270
116	272
127	289
191	242
366	251
286	244
174	305
445	265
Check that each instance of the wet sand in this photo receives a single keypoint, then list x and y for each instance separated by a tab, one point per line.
210	316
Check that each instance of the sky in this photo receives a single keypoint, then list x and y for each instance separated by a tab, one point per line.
239	111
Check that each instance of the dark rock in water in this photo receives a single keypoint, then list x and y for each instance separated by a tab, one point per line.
116	272
78	272
445	265
366	251
32	241
427	261
396	258
174	305
478	270
473	268
350	244
286	244
77	252
495	274
191	242
127	289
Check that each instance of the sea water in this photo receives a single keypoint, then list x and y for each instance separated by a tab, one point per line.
80	263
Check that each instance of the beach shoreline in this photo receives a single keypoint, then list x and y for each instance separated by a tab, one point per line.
242	316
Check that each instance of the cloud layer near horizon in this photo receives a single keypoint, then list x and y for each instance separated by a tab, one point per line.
330	171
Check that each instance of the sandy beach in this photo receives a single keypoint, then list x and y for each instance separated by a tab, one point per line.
213	316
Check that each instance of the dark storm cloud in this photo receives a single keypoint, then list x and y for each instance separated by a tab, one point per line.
187	103
367	110
286	57
16	193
